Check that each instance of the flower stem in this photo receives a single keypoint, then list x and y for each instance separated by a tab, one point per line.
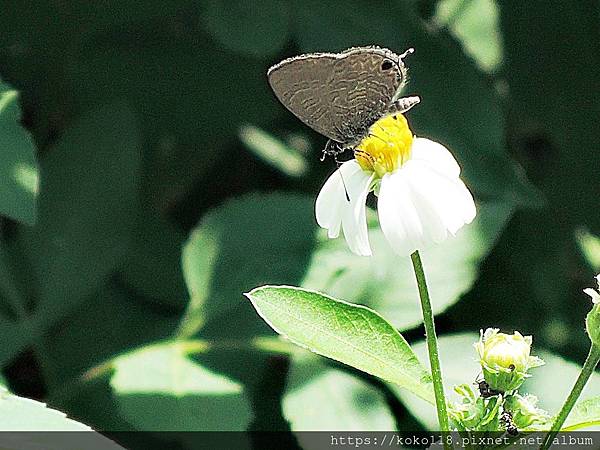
432	346
586	372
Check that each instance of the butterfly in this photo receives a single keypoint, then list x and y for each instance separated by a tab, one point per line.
341	95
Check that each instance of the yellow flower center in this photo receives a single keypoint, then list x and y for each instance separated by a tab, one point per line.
387	146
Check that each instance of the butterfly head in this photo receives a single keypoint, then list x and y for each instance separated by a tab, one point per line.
396	63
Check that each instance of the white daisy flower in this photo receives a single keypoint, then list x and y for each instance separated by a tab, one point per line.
421	199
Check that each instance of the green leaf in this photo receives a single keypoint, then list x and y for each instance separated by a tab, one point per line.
259	28
585	414
18	167
274	152
198	259
590	247
551	383
152	266
386	282
476	25
92	399
22	414
352	403
159	388
16	328
250	241
87	209
18	414
352	334
15	337
119	320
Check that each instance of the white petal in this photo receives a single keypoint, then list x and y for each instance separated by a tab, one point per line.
354	219
333	210
418	206
426	205
446	198
436	155
334	231
439	159
329	203
592	293
398	217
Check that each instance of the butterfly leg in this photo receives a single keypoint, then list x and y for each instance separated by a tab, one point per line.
403	104
332	148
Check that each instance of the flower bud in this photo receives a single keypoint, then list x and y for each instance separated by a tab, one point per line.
524	411
475	413
505	359
592	321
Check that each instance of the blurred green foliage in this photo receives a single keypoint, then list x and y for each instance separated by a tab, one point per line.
18	171
171	181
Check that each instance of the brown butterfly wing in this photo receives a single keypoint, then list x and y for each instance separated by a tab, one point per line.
338	95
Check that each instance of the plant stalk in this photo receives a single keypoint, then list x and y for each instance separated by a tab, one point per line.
432	347
586	372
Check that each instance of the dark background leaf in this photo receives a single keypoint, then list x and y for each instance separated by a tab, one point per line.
18	167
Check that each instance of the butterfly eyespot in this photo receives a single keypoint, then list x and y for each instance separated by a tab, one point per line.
386	65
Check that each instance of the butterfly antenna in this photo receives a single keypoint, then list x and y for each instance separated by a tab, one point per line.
337	162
